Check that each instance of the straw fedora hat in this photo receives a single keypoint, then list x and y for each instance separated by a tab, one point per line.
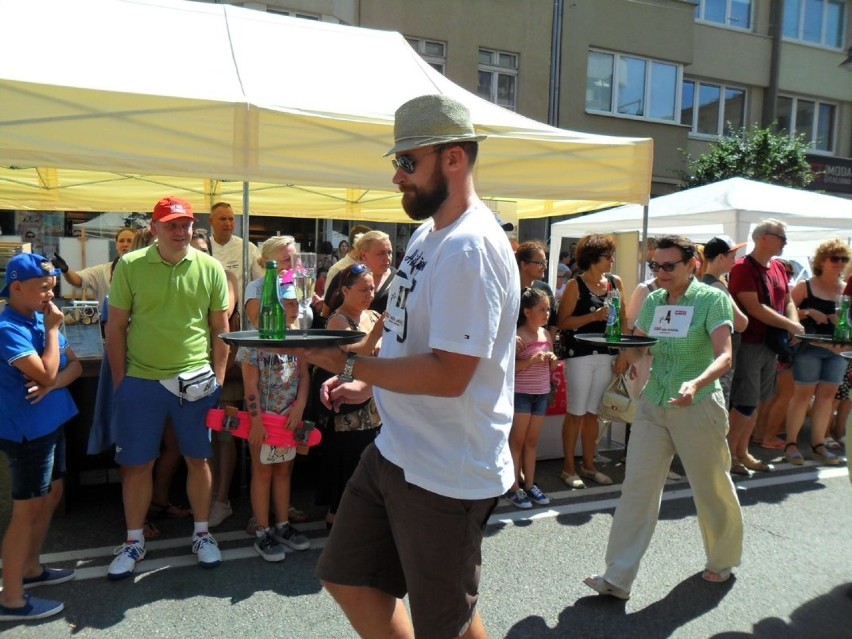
431	119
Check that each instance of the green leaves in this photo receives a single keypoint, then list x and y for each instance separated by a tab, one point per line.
755	154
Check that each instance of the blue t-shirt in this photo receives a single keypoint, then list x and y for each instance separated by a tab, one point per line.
21	336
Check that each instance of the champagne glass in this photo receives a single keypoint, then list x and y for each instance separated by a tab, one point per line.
305	277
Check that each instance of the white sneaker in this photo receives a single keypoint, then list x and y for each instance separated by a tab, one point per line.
126	556
219	512
207	550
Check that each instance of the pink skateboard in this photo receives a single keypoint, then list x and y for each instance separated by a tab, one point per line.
238	423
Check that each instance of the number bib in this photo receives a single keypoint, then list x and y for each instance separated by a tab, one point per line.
671	321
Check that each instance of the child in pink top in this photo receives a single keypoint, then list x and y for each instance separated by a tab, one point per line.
534	363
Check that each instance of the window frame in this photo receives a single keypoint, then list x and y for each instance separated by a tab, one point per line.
720	122
800	26
700	12
432	60
794	108
496	70
647	96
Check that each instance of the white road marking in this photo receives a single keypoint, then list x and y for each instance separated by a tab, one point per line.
86	556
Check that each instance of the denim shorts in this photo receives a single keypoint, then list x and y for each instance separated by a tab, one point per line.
813	364
531	403
33	465
140	410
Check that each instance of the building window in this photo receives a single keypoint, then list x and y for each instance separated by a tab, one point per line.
819	22
498	77
731	13
632	86
815	120
434	52
712	109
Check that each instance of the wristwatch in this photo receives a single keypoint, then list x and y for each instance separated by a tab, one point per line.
346	375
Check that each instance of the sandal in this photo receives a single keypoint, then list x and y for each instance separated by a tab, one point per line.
832	444
794	457
170	511
150	531
825	457
716	577
737	468
603	587
753	463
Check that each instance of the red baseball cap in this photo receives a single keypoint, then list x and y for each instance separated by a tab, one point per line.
172	208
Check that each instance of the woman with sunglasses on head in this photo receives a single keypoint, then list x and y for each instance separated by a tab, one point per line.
682	412
818	369
588	368
350	430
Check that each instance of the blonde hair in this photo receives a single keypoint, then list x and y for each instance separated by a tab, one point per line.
826	250
364	241
143	238
270	247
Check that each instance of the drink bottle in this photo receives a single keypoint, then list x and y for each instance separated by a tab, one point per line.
842	330
613	322
271	319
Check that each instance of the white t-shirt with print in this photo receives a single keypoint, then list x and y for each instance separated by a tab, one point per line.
457	290
231	257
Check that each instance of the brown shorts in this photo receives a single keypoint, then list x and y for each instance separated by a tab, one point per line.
399	538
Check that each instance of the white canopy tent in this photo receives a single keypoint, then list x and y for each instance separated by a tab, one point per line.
732	207
108	105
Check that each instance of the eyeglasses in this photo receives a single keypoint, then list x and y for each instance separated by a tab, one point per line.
541	264
607	256
409	164
839	259
668	267
783	238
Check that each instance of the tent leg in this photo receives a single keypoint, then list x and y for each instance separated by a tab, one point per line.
644	257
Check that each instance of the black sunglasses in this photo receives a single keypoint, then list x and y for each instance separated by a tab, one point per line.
839	259
783	238
668	267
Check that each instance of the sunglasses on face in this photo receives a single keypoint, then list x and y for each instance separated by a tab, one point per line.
408	163
668	267
783	238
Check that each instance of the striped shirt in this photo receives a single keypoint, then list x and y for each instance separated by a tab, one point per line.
680	359
535	379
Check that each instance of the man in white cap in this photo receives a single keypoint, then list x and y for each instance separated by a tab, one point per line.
412	517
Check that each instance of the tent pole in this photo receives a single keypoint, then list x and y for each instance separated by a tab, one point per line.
644	257
245	235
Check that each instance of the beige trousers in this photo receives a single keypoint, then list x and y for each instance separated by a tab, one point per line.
697	434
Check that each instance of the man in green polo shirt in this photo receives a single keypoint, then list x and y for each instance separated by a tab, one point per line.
168	305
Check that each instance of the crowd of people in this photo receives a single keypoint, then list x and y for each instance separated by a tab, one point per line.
405	454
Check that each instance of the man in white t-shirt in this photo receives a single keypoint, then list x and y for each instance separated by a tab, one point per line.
228	249
412	517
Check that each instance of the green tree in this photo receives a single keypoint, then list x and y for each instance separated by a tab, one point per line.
755	154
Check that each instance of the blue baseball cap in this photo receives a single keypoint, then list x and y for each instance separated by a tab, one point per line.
27	266
287	292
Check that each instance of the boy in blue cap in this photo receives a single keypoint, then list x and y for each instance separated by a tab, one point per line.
36	365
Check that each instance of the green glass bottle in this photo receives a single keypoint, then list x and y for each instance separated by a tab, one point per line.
271	319
842	330
613	322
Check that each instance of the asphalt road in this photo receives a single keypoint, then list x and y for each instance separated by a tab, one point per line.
793	582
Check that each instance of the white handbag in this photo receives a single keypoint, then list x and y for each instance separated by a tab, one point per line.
618	404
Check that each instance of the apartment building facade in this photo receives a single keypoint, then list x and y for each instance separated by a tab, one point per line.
680	71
